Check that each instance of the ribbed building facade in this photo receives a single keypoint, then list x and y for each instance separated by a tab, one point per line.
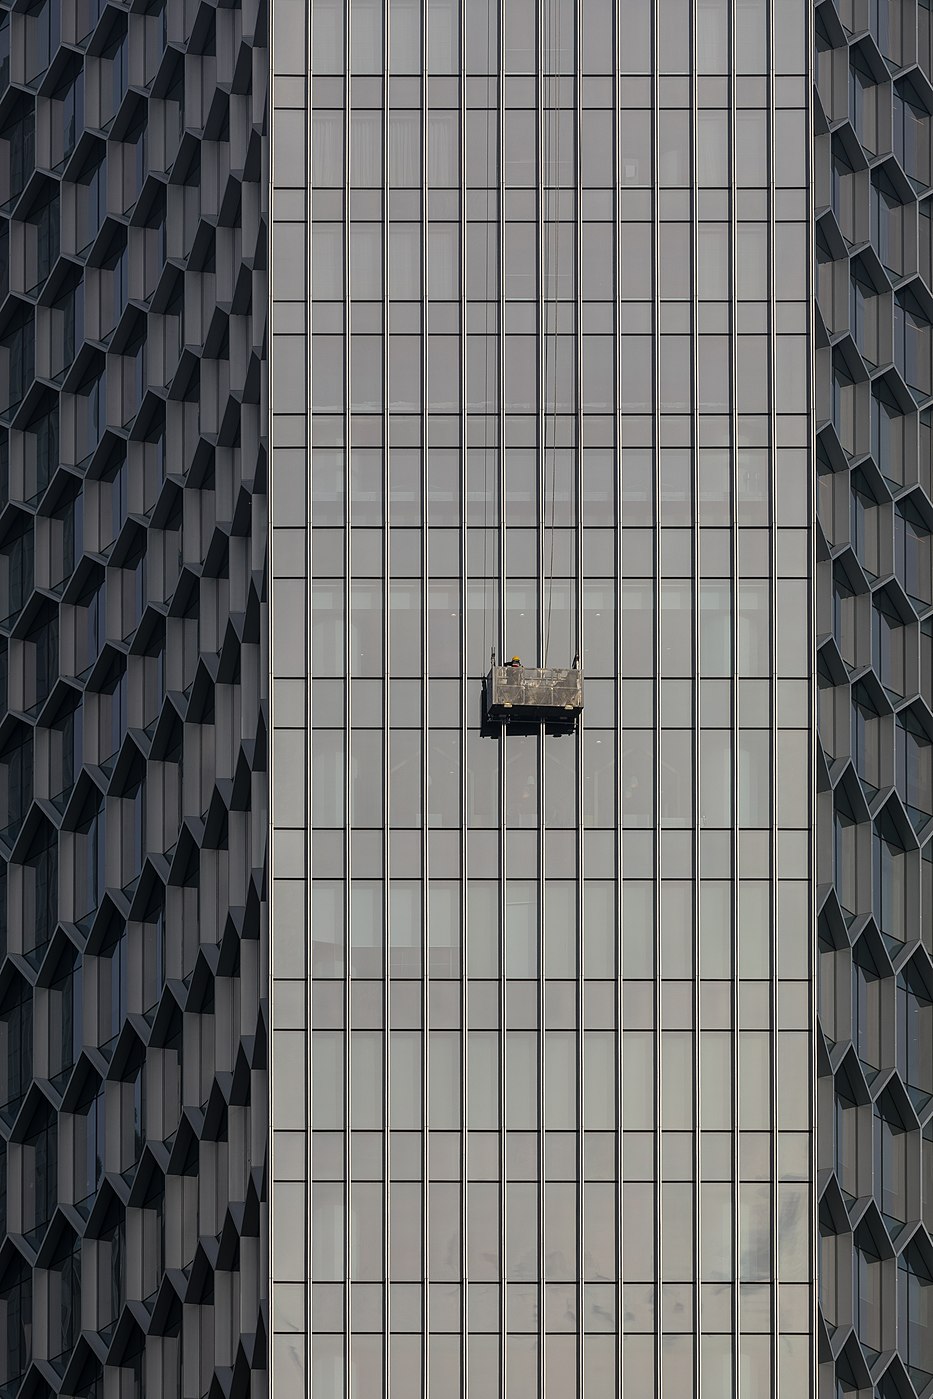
133	737
874	282
359	1037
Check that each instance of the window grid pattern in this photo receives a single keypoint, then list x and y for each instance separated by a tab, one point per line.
290	779
873	178
133	812
560	313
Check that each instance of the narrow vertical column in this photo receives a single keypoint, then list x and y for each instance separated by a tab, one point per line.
290	771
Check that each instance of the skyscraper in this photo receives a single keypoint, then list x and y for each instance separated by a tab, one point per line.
133	756
547	392
381	1014
874	460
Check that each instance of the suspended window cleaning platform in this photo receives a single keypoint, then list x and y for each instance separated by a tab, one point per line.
529	695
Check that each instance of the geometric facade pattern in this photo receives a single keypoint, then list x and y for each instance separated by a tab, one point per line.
560	985
133	806
874	219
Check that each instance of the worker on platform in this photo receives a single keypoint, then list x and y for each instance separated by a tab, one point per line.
515	663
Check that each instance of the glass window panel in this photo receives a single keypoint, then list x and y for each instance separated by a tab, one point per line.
327	149
365	149
327	33
673	146
404	151
327	248
638	1077
715	1080
366	260
677	1075
404	36
443	19
366	37
677	1262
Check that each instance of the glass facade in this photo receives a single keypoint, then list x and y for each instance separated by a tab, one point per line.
599	1059
133	806
874	282
541	382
